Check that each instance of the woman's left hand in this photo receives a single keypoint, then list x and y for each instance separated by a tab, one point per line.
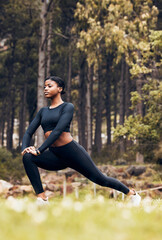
31	150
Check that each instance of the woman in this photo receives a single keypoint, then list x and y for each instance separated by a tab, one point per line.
59	150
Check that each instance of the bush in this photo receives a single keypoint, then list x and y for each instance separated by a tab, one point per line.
110	154
158	153
11	167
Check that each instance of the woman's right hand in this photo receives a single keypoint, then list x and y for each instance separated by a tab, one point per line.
28	150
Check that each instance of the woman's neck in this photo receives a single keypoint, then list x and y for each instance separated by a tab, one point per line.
56	101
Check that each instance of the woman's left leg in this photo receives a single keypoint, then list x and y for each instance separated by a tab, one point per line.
47	160
77	158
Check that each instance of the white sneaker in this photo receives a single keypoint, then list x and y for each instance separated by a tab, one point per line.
135	199
41	202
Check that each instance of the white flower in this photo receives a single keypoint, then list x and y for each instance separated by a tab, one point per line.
100	199
17	205
67	203
31	208
126	214
78	206
57	212
88	197
39	217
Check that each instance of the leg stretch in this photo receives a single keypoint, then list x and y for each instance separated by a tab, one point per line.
77	158
47	160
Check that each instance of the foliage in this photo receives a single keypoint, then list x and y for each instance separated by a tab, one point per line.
149	55
88	219
145	131
116	26
11	168
103	28
19	24
110	154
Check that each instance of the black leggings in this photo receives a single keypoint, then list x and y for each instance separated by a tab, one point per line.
71	155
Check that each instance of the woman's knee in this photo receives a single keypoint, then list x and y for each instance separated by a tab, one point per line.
27	157
100	179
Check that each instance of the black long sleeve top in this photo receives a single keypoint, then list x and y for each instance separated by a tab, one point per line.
57	119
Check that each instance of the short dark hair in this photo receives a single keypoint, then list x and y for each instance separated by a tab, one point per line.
59	82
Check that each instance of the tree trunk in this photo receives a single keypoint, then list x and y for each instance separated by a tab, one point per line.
49	45
122	103
10	98
91	90
2	127
139	84
41	68
88	110
9	140
127	91
140	108
122	91
10	121
1	134
108	103
22	114
127	98
69	72
82	104
139	156
115	102
98	139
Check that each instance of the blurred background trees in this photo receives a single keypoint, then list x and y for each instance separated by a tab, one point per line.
109	54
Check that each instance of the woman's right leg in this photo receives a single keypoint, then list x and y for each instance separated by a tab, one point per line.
77	158
47	160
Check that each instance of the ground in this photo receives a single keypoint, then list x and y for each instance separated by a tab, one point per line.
89	218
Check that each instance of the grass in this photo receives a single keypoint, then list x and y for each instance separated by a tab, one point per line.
87	219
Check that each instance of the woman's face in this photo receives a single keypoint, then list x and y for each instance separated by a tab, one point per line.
51	89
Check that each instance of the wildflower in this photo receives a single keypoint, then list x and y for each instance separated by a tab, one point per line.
78	206
17	205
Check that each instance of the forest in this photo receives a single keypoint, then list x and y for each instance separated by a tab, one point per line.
108	52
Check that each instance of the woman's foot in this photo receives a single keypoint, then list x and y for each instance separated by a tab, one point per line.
135	198
41	202
43	196
42	199
131	192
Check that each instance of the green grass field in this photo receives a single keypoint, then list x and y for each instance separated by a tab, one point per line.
88	219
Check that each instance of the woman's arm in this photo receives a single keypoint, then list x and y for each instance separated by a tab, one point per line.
64	120
31	129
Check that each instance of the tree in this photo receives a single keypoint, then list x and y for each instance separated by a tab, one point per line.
146	131
121	28
41	66
17	28
88	107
